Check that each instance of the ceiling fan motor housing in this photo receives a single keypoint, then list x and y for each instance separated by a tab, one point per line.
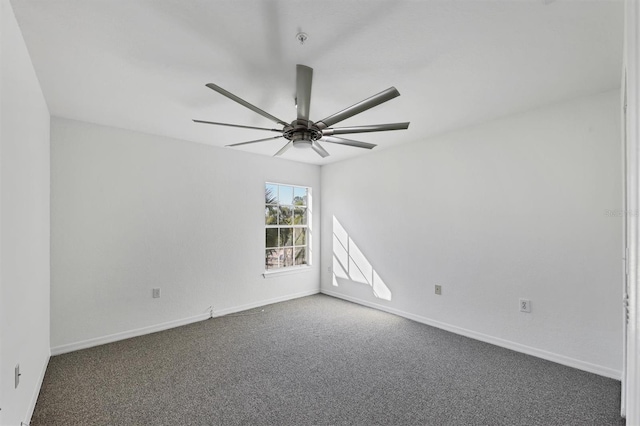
302	133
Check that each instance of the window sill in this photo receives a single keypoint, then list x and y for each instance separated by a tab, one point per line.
287	271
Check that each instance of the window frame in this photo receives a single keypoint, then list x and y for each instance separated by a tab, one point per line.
307	227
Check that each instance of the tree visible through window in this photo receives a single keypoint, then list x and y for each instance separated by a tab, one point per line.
287	233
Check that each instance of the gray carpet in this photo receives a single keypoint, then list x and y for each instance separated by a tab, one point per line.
317	360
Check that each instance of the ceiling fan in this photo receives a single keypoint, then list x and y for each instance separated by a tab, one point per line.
304	133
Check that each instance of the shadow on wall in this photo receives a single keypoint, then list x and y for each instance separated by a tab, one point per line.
350	264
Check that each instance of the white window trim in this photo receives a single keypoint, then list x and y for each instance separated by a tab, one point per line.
296	269
287	271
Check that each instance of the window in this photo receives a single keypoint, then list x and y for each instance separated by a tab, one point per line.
287	214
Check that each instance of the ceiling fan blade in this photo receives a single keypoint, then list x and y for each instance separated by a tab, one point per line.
349	142
319	149
362	106
365	129
259	140
245	104
236	125
284	149
304	78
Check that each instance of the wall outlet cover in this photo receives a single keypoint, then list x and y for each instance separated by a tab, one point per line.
525	305
439	290
156	293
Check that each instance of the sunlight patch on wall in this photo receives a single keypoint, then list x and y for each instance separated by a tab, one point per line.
350	263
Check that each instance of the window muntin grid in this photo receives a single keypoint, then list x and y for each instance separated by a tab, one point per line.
287	226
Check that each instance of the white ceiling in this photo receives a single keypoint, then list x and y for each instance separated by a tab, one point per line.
143	65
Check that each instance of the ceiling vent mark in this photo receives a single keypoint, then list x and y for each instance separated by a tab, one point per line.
302	37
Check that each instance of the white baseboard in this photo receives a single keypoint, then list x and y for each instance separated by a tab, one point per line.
89	343
257	304
549	356
36	391
110	338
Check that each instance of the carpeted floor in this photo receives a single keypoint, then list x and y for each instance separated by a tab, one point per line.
317	361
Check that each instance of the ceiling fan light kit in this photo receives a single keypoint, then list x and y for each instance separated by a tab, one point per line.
304	133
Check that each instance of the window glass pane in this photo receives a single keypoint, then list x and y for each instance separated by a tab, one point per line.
301	256
286	237
299	216
285	215
285	195
299	236
271	259
300	196
270	215
288	257
271	237
271	194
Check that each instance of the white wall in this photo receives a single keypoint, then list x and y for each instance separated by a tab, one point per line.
631	381
24	226
514	208
132	211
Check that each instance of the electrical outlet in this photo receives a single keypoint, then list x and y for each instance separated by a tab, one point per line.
329	269
525	305
156	293
17	375
439	290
